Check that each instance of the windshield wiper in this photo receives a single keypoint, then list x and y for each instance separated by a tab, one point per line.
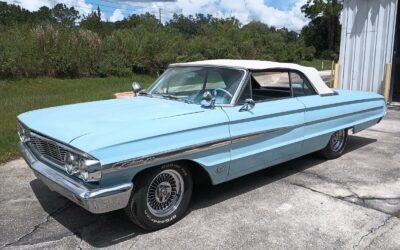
172	97
188	101
144	93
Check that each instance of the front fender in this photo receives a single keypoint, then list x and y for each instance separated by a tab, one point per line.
203	138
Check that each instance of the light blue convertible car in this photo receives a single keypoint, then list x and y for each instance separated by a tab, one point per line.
207	121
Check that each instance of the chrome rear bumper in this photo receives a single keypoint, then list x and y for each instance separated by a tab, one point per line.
100	200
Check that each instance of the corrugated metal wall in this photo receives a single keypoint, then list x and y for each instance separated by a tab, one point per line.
366	43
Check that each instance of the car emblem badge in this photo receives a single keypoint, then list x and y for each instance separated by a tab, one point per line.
220	169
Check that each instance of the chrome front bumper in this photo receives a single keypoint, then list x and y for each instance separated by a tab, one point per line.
100	200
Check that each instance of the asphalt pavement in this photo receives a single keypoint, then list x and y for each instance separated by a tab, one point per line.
352	202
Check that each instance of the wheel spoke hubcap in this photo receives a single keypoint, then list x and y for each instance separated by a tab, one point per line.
337	140
165	193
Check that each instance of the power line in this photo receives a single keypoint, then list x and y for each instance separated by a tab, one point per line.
113	7
162	13
123	8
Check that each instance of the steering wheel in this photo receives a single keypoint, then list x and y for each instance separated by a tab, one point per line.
223	98
222	90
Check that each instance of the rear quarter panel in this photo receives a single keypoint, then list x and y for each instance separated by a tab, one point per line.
324	115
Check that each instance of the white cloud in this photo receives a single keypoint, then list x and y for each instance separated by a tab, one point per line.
248	10
117	15
32	5
103	16
244	10
80	5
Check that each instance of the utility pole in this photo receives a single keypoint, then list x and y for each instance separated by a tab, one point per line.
159	14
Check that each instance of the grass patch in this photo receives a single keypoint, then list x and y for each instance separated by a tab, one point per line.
319	64
20	95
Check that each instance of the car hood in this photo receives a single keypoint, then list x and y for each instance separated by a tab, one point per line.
109	121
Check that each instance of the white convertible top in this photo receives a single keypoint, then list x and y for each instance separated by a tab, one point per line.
311	73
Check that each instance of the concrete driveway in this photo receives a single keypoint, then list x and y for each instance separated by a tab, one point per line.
351	202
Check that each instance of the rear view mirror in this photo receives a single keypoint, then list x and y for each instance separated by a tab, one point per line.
208	100
248	105
136	87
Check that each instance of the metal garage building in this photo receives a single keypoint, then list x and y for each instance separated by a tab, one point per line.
370	46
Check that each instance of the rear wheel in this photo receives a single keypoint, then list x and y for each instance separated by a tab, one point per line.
336	145
161	197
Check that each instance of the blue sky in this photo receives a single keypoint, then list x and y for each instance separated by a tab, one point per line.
272	12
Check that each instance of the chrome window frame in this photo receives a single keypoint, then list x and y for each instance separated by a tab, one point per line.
272	70
301	74
238	89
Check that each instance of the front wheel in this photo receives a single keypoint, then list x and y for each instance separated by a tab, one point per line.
161	196
336	145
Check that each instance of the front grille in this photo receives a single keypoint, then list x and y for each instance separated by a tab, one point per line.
48	149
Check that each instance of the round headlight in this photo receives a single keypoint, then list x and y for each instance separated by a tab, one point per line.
82	164
71	163
89	170
86	169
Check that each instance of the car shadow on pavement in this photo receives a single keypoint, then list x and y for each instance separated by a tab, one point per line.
98	230
205	196
107	229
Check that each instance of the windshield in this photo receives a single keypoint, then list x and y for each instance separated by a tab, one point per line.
189	84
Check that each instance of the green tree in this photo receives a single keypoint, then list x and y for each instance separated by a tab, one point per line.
65	16
11	14
148	21
323	32
51	42
44	16
93	21
186	25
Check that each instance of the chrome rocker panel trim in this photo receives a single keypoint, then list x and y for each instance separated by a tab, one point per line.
97	201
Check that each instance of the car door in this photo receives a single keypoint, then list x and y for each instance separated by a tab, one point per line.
314	136
269	133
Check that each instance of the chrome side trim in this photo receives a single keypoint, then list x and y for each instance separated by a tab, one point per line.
341	116
142	160
343	103
196	148
192	149
268	116
255	135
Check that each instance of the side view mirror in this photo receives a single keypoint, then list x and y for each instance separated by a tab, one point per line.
248	105
208	100
136	87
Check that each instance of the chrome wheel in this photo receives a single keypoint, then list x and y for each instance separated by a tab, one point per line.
337	140
165	193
